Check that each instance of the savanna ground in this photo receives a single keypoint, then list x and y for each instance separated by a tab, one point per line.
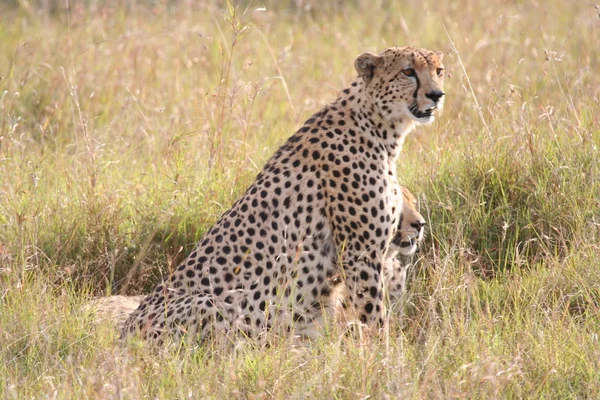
126	130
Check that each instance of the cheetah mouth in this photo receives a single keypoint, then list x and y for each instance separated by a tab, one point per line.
408	243
418	114
408	249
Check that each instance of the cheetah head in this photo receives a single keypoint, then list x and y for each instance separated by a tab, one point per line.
404	82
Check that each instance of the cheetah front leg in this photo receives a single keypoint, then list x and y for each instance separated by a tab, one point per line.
362	225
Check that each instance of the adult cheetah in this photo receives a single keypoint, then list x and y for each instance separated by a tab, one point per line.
325	206
114	310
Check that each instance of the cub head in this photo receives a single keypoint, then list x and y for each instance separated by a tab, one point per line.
404	82
410	228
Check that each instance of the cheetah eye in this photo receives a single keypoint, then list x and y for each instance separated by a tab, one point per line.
439	71
408	72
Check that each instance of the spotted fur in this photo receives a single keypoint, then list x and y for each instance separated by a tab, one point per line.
113	310
404	245
320	214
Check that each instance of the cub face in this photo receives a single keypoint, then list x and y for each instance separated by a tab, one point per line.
410	228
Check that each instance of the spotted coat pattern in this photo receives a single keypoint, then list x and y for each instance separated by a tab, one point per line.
403	246
320	215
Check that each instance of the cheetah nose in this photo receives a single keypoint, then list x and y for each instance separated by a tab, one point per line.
435	95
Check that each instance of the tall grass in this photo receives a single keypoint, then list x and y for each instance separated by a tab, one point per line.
125	131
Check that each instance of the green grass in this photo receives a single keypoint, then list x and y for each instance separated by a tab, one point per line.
126	131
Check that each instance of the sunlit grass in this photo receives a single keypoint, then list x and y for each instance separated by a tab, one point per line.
126	131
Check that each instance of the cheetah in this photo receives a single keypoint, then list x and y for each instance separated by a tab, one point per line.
114	310
399	259
326	205
403	246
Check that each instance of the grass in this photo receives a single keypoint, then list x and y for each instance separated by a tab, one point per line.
125	131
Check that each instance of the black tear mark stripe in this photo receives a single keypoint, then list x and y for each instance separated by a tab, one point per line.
418	85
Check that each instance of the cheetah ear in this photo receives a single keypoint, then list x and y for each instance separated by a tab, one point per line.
440	55
365	65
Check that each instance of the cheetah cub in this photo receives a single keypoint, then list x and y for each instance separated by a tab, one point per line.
404	245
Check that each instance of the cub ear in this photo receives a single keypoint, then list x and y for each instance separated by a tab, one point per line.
440	55
365	65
